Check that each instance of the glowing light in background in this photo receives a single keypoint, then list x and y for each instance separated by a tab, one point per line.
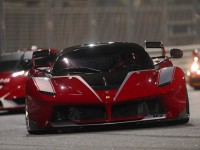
194	67
195	58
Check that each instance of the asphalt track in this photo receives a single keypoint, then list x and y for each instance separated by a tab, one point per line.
13	135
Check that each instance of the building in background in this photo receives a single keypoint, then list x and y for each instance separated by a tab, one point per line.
63	23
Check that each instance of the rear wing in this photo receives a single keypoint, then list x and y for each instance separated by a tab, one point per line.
155	45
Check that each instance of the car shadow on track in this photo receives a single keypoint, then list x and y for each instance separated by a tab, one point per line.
120	127
11	112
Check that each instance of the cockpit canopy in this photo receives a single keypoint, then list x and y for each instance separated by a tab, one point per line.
102	58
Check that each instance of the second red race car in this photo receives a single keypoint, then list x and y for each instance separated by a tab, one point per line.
105	84
12	80
13	77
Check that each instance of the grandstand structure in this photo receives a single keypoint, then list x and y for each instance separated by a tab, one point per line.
63	23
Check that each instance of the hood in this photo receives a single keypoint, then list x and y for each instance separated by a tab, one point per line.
100	88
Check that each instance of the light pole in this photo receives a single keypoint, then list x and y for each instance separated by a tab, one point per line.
92	12
2	28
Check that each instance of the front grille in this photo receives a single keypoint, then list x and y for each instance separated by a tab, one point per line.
97	113
155	107
79	113
124	110
137	108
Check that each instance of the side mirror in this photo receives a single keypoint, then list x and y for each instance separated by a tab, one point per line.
41	58
26	64
176	53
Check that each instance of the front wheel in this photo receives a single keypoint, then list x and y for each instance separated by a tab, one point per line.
31	127
186	120
184	117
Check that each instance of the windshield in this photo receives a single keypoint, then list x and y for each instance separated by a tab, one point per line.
7	66
106	59
11	62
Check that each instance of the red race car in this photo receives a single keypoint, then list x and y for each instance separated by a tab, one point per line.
194	72
13	77
12	80
105	84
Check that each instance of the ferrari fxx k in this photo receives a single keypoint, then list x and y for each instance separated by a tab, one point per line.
105	84
12	80
194	72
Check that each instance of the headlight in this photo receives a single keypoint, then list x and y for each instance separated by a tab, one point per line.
166	76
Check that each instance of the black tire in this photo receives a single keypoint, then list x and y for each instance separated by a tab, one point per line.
31	127
187	115
184	117
186	120
187	105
